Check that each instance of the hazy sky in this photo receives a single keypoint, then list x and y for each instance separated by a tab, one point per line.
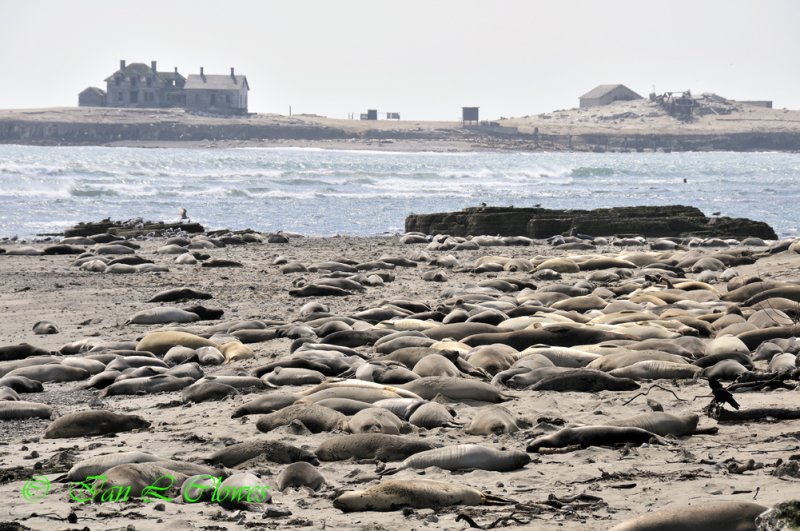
424	59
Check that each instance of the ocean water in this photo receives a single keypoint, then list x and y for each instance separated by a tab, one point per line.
327	192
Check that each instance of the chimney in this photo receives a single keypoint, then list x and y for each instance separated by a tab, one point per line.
202	74
153	66
176	69
233	76
122	64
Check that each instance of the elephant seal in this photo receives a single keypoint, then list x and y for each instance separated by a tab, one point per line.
623	358
293	376
465	457
267	403
584	381
97	465
209	355
163	315
146	480
45	328
6	393
436	365
705	516
725	370
492	419
370	446
179	294
316	418
93	422
391	495
51	372
345	406
300	474
656	370
660	423
20	352
102	380
402	407
455	389
242	491
561	335
21	384
179	354
459	331
205	391
276	451
591	436
159	343
377	420
433	415
319	290
19	409
151	384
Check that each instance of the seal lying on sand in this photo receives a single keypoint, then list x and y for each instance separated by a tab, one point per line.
300	474
370	446
464	457
94	422
705	516
395	494
591	436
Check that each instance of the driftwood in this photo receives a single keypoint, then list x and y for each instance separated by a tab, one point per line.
756	381
756	414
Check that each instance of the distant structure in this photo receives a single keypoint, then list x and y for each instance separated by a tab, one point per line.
469	115
605	94
92	97
138	85
217	93
767	104
371	114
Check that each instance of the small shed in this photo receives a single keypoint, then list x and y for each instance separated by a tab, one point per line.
92	97
605	94
469	115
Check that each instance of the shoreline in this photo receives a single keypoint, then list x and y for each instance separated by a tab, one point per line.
638	126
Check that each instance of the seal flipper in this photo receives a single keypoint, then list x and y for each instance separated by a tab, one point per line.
490	499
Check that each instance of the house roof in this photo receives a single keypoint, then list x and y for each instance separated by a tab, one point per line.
143	70
216	82
601	90
99	92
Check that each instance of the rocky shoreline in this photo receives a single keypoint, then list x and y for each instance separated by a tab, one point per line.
676	221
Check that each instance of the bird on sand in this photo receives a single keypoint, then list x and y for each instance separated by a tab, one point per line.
721	395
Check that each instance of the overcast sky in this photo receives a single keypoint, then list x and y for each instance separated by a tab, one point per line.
424	59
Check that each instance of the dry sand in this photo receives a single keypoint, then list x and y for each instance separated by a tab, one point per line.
629	481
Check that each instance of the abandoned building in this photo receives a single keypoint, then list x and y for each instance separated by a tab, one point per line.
217	93
141	86
605	94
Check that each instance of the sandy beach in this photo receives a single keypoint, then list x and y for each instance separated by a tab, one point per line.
598	486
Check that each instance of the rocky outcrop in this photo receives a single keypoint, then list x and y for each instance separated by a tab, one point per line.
130	229
647	221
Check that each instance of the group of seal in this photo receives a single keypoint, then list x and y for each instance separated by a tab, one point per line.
386	382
